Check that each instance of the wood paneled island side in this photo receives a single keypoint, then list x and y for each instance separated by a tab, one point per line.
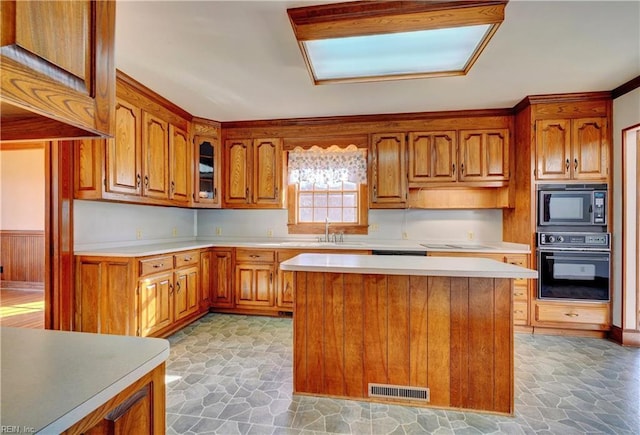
421	331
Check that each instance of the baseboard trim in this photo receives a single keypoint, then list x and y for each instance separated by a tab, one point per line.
21	285
625	337
570	332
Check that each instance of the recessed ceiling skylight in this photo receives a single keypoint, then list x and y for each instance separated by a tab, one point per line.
365	41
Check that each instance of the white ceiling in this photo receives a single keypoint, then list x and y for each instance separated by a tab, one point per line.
238	60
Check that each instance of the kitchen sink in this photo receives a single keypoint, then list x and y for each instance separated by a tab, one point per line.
308	244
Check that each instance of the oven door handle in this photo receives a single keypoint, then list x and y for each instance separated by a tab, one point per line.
576	258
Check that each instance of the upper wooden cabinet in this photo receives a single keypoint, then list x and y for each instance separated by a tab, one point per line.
432	156
57	68
207	153
124	151
180	165
387	171
253	176
458	156
155	152
484	155
572	149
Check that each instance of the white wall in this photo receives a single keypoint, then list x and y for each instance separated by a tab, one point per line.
486	225
105	224
22	189
626	113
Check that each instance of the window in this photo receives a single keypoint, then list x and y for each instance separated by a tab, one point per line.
327	184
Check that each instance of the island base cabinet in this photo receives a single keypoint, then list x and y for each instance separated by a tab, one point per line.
451	335
139	409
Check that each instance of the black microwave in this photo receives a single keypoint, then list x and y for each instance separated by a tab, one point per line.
572	205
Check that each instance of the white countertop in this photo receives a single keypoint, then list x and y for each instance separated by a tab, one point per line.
142	250
52	379
412	265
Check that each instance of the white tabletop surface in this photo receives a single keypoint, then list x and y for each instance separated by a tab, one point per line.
411	265
52	379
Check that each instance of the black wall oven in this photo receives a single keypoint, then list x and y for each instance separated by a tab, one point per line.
574	266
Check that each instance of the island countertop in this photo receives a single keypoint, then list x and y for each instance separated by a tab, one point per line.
406	265
53	379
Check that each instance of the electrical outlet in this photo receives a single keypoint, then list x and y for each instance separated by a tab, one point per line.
138	234
174	232
405	236
374	227
470	235
218	231
269	233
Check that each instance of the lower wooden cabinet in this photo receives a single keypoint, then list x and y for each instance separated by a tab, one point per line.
145	296
255	278
574	315
221	288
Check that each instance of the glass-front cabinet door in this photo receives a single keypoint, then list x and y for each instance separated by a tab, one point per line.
207	191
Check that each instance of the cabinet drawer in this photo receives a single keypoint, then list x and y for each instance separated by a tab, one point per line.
253	256
187	258
520	312
572	313
156	264
520	293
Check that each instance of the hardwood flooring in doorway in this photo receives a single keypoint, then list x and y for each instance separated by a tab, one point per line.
22	308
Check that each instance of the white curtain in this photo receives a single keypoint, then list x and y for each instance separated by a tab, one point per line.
328	166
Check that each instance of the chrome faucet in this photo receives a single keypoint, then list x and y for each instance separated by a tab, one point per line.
326	229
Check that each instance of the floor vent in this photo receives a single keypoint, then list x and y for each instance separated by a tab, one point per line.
399	392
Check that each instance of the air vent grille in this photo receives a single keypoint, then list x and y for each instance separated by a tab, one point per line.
399	392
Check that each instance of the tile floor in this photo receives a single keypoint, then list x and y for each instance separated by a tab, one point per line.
232	375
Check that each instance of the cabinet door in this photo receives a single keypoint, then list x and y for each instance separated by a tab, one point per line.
520	291
57	68
238	172
187	286
88	155
222	279
179	164
267	172
484	155
285	289
155	149
553	149
388	171
432	156
205	281
207	160
590	146
254	285
123	160
156	294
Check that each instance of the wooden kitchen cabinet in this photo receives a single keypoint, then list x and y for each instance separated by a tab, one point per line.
155	152
432	156
145	296
207	153
572	149
57	67
180	165
222	288
253	177
387	171
484	155
88	157
124	152
255	278
592	316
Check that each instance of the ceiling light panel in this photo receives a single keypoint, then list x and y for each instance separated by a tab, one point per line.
365	41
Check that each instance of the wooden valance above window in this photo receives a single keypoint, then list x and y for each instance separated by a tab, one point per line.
360	141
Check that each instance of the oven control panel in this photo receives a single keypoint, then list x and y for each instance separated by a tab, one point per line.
575	240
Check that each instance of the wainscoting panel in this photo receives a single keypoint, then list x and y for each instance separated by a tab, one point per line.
22	259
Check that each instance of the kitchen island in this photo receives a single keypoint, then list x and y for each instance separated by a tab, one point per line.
424	331
71	382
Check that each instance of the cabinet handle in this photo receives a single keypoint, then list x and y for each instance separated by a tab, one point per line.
454	169
571	314
156	266
215	192
575	164
247	194
254	256
138	180
146	181
566	165
177	287
270	277
173	186
518	294
187	258
375	192
518	311
462	168
170	289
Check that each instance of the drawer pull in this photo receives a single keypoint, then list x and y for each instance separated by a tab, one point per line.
571	314
518	311
518	294
156	266
187	258
254	256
